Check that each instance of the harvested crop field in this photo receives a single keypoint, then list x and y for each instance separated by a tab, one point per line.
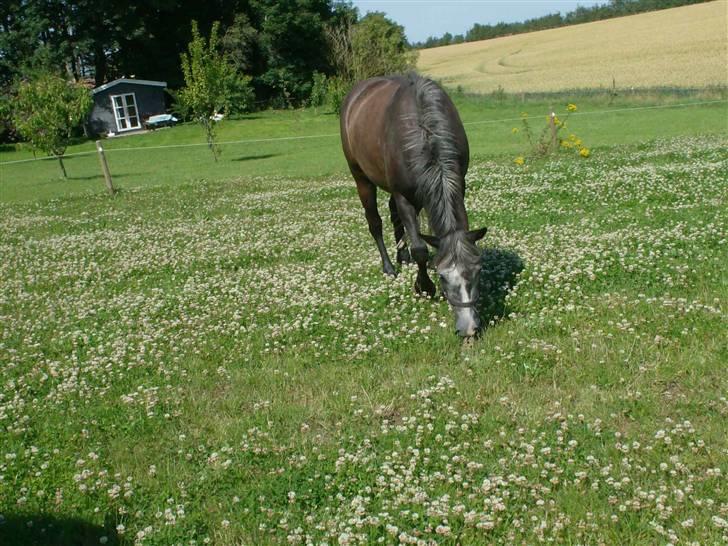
682	47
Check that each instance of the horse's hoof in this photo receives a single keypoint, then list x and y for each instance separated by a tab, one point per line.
426	290
389	270
403	256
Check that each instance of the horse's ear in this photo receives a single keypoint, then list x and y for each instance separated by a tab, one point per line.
430	240
477	234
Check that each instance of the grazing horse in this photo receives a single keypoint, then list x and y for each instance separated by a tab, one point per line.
403	134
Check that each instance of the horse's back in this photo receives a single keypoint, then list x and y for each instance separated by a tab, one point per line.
390	124
364	117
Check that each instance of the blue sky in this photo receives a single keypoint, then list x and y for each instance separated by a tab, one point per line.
423	18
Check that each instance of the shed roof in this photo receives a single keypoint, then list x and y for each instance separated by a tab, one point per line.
128	80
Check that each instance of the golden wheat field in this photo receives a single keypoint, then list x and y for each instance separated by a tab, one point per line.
683	47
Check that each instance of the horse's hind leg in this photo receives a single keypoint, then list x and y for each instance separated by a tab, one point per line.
368	195
403	253
408	214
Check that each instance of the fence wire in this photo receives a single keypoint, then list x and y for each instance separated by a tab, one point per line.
330	135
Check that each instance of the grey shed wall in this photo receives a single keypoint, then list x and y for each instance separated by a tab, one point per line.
149	99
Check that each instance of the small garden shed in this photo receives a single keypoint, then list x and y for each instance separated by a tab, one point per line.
123	105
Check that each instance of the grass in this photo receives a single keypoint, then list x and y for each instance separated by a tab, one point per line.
601	121
220	360
685	47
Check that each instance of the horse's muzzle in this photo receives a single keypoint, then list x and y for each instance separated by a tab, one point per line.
467	323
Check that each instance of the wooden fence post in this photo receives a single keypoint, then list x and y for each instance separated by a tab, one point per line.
552	124
105	168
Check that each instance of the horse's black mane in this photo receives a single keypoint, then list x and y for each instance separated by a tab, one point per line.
433	158
432	155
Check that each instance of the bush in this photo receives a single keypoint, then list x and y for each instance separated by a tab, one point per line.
241	97
319	90
549	139
336	91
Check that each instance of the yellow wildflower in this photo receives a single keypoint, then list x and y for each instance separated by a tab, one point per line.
524	115
571	107
565	144
514	130
519	160
556	119
584	152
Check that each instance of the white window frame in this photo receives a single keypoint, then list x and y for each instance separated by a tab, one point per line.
125	107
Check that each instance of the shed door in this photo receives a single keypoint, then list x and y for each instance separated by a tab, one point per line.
125	112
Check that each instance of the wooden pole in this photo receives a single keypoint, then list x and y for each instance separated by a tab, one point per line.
105	168
552	124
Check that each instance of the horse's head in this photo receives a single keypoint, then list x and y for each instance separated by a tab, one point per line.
458	265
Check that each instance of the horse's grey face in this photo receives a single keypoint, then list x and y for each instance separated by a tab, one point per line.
458	265
460	288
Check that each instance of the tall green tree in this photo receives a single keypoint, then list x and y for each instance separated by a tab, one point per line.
29	39
379	46
279	43
47	110
293	45
339	33
76	37
241	43
208	78
373	46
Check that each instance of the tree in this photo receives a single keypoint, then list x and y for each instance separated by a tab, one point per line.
374	46
379	46
293	46
241	43
208	75
7	130
46	112
279	43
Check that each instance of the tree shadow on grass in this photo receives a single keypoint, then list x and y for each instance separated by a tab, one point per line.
101	176
498	275
253	157
49	530
246	117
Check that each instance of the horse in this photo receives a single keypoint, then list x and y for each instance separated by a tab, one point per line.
403	134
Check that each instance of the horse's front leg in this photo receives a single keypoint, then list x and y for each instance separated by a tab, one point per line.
368	195
403	254
418	247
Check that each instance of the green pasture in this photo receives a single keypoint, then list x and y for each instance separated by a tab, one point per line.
213	356
222	362
278	149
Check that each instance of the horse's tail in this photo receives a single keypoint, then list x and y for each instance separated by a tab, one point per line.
433	156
